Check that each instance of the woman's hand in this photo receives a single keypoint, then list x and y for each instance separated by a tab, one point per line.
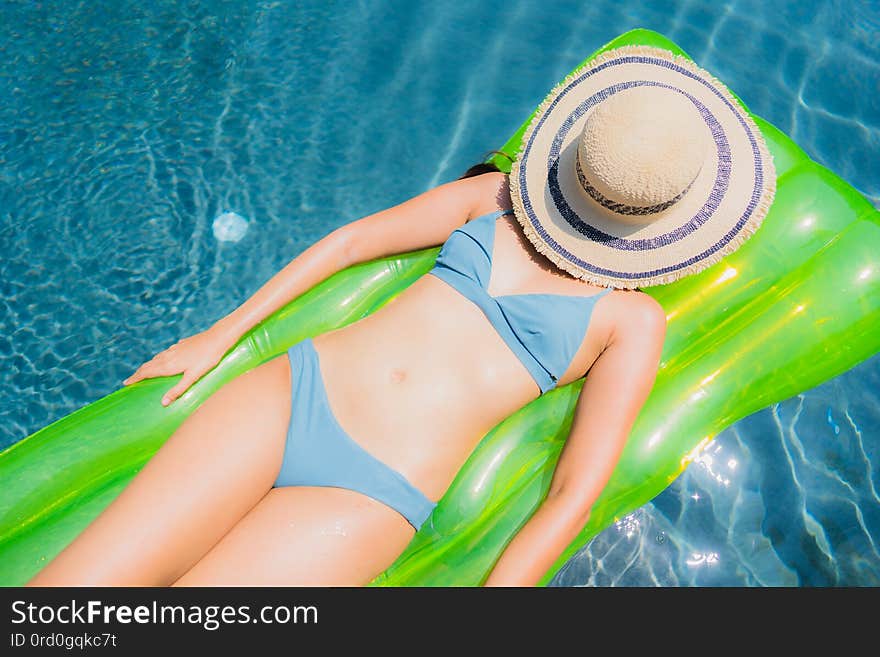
193	356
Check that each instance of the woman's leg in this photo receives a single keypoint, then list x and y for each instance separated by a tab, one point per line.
306	536
220	462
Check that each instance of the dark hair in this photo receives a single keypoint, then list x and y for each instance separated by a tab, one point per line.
484	166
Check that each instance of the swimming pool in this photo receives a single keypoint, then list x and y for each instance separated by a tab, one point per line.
127	130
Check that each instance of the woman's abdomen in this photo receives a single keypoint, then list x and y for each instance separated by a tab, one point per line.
421	380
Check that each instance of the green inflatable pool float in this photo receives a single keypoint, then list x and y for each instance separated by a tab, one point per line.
805	309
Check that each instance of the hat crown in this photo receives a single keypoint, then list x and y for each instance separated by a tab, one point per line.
643	147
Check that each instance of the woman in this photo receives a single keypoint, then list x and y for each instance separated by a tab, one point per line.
317	467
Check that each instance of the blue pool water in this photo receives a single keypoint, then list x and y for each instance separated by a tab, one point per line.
127	128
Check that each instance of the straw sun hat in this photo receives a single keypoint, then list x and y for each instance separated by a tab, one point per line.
639	169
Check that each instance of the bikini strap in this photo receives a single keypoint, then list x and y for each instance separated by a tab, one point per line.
490	216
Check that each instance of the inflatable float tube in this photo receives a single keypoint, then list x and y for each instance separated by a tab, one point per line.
805	309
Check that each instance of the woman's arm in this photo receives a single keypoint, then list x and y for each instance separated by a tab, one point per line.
423	221
614	391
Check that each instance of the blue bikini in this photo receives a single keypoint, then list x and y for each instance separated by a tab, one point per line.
319	452
543	330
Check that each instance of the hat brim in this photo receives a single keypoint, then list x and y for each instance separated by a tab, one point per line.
724	206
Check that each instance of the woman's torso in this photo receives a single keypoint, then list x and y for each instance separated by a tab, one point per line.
419	382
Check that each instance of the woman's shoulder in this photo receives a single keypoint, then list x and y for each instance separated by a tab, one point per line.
489	182
639	311
491	192
477	194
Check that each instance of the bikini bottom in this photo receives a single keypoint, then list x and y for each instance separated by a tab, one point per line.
319	452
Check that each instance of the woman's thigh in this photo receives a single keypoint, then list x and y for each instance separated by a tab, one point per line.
306	536
218	464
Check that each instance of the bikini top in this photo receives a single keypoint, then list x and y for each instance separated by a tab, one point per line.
543	330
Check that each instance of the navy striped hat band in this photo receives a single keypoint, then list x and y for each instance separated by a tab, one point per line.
640	168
